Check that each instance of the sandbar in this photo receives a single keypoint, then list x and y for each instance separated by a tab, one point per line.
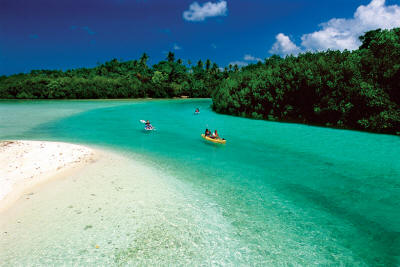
26	164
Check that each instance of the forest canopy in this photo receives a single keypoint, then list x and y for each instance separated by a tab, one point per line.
347	89
115	79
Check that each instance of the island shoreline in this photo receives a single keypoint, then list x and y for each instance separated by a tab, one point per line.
26	165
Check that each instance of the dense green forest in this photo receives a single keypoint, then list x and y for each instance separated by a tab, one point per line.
350	89
116	79
356	90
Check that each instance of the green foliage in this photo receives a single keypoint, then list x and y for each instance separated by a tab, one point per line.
355	90
115	79
171	57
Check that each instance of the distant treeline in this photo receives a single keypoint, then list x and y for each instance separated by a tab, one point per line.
116	79
355	90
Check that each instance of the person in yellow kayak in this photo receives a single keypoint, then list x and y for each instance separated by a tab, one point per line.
215	135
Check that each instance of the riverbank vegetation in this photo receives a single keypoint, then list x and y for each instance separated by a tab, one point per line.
116	79
356	90
350	89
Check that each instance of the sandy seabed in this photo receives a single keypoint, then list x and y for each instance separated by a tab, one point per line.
27	164
117	211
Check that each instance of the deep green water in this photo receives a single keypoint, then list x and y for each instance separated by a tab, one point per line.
286	193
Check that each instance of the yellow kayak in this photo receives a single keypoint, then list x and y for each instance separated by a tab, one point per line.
217	141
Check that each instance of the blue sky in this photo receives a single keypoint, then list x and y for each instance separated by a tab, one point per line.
49	34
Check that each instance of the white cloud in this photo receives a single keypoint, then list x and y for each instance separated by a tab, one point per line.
197	12
239	63
177	47
251	58
336	34
284	46
340	33
246	57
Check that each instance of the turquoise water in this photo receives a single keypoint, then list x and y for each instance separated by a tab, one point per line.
274	194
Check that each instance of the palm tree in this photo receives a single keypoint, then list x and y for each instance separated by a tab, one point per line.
171	57
143	59
208	64
200	64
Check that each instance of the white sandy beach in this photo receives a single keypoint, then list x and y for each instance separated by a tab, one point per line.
25	164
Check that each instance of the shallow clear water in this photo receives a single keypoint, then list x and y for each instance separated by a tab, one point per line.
274	194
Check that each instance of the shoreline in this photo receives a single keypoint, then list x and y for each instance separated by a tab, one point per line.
26	164
105	99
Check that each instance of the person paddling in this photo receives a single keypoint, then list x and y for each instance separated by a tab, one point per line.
215	135
148	125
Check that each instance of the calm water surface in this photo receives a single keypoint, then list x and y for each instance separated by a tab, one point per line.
274	194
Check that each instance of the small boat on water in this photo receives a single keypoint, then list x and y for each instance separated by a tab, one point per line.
148	126
214	140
